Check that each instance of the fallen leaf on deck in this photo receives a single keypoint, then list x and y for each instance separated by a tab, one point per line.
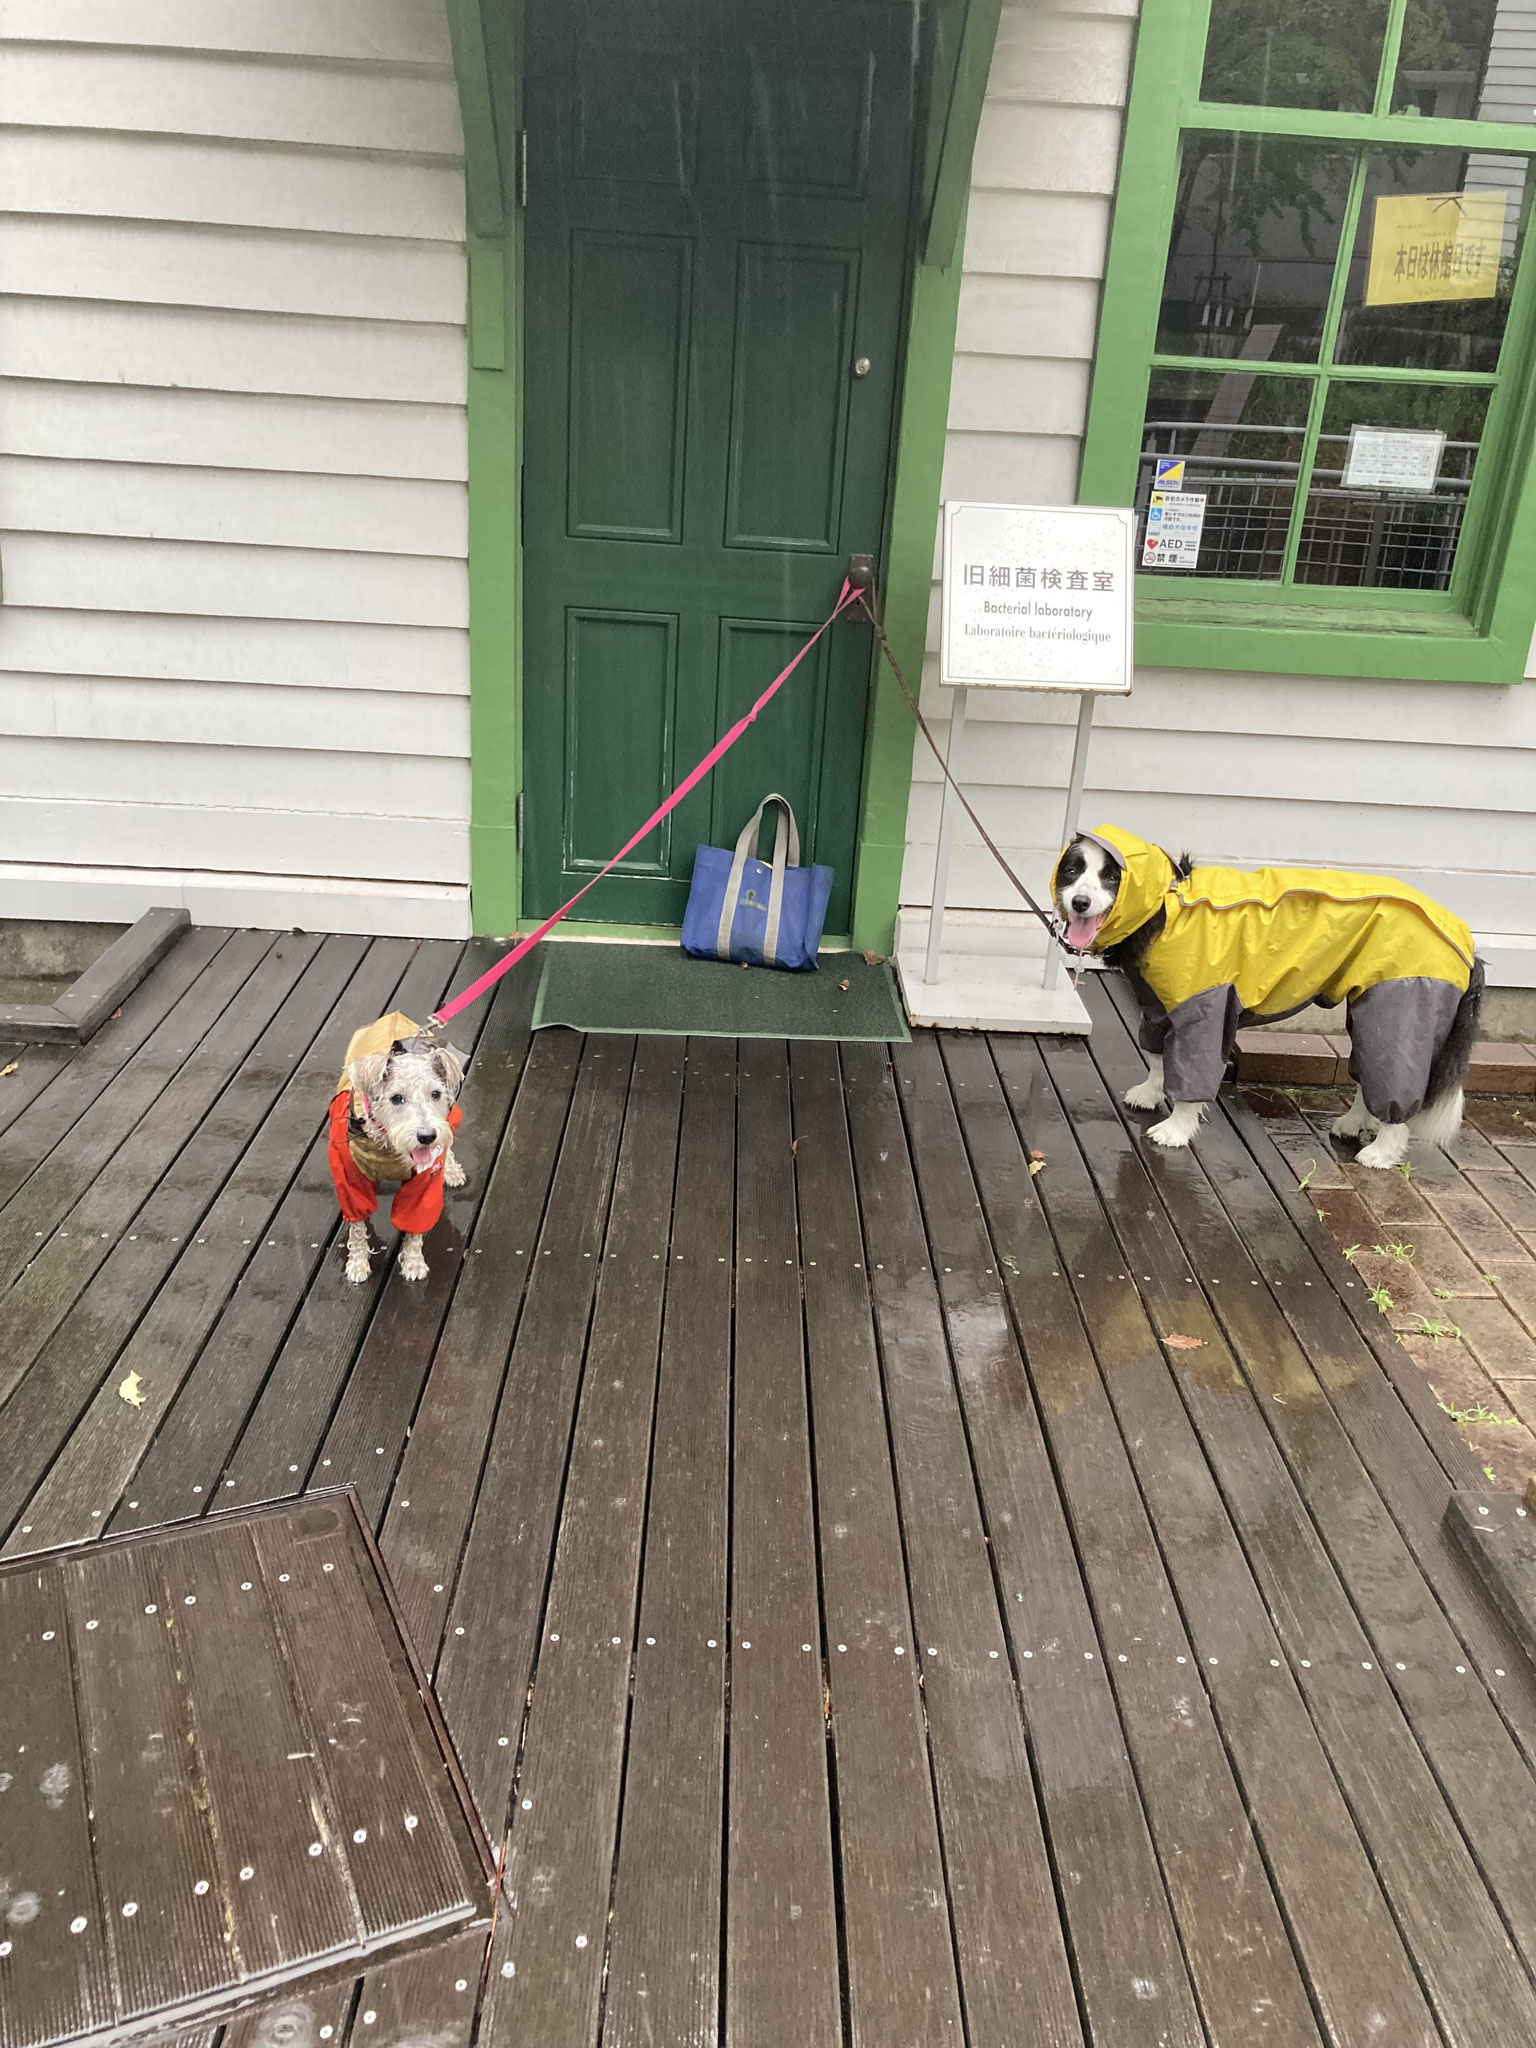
794	1147
10	1069
845	984
1037	1165
1178	1343
132	1391
874	959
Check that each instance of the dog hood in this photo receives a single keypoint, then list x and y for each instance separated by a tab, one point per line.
376	1037
1146	876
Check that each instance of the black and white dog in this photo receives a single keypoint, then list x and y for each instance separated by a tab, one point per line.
1208	949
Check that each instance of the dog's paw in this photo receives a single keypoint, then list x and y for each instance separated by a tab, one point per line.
413	1265
1168	1134
1388	1148
453	1173
1147	1094
1356	1122
1178	1126
358	1267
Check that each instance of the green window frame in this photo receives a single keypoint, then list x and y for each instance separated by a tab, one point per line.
1479	628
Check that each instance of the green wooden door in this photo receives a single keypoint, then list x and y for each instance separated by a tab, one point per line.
717	198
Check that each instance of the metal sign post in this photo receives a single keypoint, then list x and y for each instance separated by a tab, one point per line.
1034	598
1074	805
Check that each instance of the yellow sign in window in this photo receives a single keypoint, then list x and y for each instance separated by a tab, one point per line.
1435	245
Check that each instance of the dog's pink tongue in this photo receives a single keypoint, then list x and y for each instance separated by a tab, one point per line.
1082	931
421	1156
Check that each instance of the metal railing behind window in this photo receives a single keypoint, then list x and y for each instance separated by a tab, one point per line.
1356	539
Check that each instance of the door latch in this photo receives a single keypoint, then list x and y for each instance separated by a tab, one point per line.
861	572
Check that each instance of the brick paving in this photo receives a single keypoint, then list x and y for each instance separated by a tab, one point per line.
1449	1249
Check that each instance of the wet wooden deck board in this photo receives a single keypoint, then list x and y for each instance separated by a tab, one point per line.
1098	1690
227	1778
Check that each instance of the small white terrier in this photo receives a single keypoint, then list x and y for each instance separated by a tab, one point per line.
392	1120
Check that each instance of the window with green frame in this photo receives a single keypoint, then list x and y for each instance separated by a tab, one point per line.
1314	376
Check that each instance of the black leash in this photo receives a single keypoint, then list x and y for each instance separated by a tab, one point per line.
1052	924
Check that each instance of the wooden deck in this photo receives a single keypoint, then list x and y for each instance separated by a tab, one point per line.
880	1594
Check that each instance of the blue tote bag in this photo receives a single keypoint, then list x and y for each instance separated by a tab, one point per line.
740	908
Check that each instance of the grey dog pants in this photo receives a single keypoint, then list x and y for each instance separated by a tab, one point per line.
1396	1029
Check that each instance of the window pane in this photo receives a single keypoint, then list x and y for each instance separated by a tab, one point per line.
1296	53
1467	60
1434	260
1240	440
1251	257
1389	485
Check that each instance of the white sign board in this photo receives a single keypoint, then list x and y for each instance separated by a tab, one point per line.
1037	597
1393	459
1175	522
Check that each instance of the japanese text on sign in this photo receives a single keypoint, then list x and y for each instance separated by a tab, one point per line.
999	576
1435	245
1037	597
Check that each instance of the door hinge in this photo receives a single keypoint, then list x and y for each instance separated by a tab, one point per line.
522	166
518	820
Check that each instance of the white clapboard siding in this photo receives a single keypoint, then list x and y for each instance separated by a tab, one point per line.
227	351
282	653
1434	782
233	458
1022	147
1018	234
1050	56
1472	717
233	430
338	192
177	92
191	714
212	578
1017	394
1009	469
1368	770
312	903
359	845
1027	316
163	501
271	778
257	270
383	31
1495	903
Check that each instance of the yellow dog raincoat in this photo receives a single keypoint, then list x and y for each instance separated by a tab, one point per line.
1239	945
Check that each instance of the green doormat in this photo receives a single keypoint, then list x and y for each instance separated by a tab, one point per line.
660	989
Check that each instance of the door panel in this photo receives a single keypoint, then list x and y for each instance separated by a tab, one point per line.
808	126
794	323
629	387
779	754
716	232
620	697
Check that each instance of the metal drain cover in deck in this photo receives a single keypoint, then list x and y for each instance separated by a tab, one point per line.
218	1775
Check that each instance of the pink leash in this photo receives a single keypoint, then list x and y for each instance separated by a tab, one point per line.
721	747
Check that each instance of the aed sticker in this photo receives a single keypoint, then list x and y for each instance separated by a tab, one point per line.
1169	475
1393	458
1175	521
1435	245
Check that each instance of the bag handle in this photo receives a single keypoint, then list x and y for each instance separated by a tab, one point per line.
786	839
